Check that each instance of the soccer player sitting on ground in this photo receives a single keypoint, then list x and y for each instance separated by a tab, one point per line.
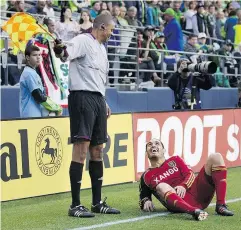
174	184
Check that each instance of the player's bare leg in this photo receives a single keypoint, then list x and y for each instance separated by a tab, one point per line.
80	150
215	167
96	175
168	194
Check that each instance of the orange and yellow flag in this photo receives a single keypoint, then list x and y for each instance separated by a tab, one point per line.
21	27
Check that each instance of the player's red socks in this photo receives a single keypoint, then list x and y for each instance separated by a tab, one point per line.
219	176
177	202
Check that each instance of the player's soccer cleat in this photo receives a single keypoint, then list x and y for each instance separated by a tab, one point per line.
80	211
102	207
200	215
222	210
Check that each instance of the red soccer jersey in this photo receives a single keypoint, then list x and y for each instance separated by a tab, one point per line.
173	171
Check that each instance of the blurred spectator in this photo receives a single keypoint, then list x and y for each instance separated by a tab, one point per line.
85	22
211	21
45	38
114	3
229	62
191	46
227	48
178	14
160	42
116	14
114	41
157	42
173	31
67	28
38	8
234	5
153	13
220	25
103	6
141	7
126	35
10	4
95	9
148	41
131	17
220	4
49	22
198	21
121	19
237	53
4	7
75	5
229	24
239	14
146	63
237	33
48	9
188	16
109	5
13	71
17	7
205	48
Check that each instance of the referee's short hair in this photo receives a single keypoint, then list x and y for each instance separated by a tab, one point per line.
102	19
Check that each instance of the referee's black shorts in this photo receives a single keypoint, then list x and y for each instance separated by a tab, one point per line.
88	117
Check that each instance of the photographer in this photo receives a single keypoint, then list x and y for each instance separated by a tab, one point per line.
186	85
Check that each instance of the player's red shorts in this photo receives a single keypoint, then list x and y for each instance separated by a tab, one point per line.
201	192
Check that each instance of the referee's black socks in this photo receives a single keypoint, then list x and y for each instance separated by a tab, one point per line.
75	174
96	176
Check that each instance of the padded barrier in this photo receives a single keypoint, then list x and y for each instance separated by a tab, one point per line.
156	99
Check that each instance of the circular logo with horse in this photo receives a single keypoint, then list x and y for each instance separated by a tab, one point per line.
49	152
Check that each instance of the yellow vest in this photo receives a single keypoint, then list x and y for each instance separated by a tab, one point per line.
237	37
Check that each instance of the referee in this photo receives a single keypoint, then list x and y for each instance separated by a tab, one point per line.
88	111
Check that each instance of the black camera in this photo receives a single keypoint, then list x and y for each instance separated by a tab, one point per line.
208	67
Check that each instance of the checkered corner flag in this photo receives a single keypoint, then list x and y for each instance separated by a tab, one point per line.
21	27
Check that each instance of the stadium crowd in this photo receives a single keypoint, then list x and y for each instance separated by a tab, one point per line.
200	27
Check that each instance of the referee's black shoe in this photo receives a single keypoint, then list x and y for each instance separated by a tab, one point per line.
80	211
102	207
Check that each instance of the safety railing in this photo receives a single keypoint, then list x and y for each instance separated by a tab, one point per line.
133	80
163	69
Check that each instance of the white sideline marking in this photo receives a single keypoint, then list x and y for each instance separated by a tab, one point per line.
139	218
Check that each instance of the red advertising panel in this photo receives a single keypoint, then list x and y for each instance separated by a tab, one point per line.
193	135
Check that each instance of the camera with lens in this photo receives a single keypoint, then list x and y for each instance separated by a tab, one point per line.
208	67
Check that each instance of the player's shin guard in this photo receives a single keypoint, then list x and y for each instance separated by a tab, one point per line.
96	175
219	176
178	203
75	174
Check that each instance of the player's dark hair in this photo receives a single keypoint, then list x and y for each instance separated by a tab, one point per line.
31	48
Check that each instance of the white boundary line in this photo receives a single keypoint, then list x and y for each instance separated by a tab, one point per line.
139	218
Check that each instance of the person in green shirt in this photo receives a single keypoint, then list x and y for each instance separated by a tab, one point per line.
178	14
